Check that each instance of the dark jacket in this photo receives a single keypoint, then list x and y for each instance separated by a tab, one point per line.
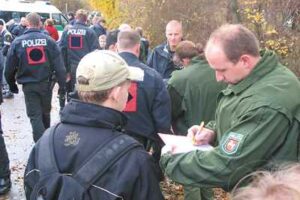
99	30
161	60
5	41
1	72
18	30
149	111
34	57
133	176
77	41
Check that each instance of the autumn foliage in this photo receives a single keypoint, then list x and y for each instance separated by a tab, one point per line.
276	23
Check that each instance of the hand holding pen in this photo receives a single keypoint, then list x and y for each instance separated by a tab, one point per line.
201	135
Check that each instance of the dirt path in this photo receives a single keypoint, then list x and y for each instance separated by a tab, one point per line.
18	138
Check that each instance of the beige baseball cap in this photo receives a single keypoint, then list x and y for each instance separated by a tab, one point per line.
104	70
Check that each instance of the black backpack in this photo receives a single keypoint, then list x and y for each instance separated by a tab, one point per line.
53	184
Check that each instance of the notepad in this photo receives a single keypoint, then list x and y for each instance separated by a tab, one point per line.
182	143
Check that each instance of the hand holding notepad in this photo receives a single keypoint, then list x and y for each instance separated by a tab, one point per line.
182	144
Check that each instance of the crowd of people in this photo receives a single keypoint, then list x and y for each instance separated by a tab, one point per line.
120	94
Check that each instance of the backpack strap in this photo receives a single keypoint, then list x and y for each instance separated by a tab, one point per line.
104	158
46	159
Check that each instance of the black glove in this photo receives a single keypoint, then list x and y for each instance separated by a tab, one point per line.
14	88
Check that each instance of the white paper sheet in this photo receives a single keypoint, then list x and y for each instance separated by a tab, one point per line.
182	144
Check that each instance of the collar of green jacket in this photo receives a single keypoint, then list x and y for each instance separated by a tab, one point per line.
267	63
197	59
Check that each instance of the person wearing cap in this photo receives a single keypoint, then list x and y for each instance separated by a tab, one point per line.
103	80
149	107
77	41
32	59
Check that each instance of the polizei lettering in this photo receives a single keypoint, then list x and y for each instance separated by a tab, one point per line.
34	42
76	32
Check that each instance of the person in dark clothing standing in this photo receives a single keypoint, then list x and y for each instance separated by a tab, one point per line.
98	26
103	80
32	59
5	183
20	28
149	107
5	42
71	18
111	40
144	49
161	57
77	41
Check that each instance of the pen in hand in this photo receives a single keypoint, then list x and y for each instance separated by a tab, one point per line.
198	132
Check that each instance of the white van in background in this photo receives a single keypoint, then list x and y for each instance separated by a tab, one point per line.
13	9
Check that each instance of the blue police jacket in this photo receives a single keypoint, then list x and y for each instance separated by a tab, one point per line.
77	41
33	57
149	107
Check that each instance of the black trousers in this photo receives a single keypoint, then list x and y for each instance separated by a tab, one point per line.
38	98
4	161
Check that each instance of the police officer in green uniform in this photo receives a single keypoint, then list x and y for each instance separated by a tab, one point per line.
257	119
193	90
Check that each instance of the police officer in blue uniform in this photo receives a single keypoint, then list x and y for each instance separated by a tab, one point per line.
32	59
149	106
77	41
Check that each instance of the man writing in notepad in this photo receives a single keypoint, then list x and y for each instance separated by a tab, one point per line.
257	119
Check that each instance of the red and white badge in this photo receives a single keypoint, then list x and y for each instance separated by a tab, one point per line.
232	143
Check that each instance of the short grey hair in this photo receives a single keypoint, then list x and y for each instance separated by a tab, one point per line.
33	19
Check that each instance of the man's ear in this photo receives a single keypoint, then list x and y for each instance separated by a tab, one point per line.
246	61
115	93
186	61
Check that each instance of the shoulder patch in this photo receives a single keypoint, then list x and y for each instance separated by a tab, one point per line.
232	143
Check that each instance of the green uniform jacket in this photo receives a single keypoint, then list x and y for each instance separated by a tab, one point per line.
193	93
257	126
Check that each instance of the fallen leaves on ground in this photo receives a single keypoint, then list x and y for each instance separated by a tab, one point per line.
174	191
